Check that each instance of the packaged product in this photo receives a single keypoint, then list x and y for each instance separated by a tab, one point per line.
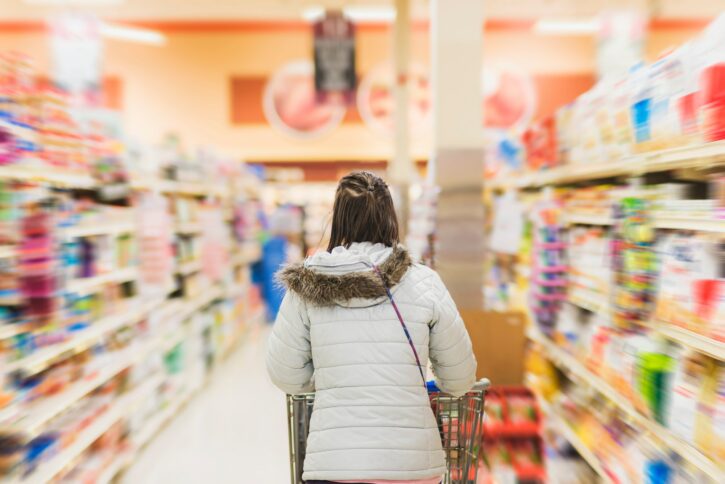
688	292
711	435
687	388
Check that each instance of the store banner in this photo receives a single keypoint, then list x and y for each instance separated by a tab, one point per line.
215	242
156	257
335	56
76	51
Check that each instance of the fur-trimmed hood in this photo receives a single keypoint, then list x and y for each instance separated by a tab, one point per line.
346	276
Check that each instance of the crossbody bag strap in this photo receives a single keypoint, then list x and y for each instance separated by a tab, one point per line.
402	323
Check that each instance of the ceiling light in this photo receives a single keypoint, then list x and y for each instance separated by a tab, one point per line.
313	14
382	13
88	3
567	27
132	34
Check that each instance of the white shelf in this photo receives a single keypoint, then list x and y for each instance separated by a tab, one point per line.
188	228
661	220
10	330
690	339
63	460
592	304
248	253
91	230
81	340
47	175
686	450
190	267
145	435
562	428
582	218
708	155
44	410
33	418
117	465
191	189
8	251
681	222
89	285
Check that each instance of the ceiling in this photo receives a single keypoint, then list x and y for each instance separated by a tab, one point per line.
231	10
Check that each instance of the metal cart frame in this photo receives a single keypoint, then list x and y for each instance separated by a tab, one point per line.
460	422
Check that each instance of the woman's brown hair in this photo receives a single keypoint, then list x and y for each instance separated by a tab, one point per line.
363	212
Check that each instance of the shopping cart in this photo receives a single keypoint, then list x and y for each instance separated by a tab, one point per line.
460	422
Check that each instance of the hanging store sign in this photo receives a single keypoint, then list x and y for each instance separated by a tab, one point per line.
76	52
335	56
290	103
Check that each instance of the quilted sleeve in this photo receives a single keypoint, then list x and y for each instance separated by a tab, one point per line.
451	353
289	355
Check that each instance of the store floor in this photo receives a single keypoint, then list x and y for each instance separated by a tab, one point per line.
233	432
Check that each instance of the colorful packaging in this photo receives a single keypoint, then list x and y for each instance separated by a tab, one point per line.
688	386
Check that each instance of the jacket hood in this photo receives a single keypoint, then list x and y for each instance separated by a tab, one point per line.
345	276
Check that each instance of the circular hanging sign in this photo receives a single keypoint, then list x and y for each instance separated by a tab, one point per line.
292	106
509	99
376	103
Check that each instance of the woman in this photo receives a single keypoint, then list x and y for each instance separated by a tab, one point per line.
338	334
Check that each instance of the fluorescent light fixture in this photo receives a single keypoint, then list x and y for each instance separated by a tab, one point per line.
567	27
87	3
313	14
132	34
382	13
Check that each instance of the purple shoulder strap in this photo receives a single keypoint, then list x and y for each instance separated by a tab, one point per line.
402	323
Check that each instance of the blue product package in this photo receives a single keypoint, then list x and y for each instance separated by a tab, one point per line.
641	117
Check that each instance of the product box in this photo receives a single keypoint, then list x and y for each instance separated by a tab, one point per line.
498	342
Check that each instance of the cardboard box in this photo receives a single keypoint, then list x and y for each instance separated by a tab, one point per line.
499	341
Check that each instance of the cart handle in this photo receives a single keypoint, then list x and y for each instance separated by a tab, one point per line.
480	385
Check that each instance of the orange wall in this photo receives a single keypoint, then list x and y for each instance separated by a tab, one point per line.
184	85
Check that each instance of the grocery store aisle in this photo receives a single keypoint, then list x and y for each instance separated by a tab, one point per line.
233	431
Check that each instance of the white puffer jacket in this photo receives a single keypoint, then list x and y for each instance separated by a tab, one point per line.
337	334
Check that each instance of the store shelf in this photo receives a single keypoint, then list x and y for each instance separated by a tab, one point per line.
188	228
64	459
681	222
8	252
89	285
248	253
583	218
91	230
702	156
593	304
118	464
49	176
157	422
563	429
10	330
190	267
686	450
690	339
661	220
33	418
81	340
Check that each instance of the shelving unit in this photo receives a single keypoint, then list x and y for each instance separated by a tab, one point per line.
661	221
578	370
89	285
697	157
562	428
174	314
691	159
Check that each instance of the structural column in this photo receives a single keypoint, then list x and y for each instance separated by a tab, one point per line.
401	167
457	154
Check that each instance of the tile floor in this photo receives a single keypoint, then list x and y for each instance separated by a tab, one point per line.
233	432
